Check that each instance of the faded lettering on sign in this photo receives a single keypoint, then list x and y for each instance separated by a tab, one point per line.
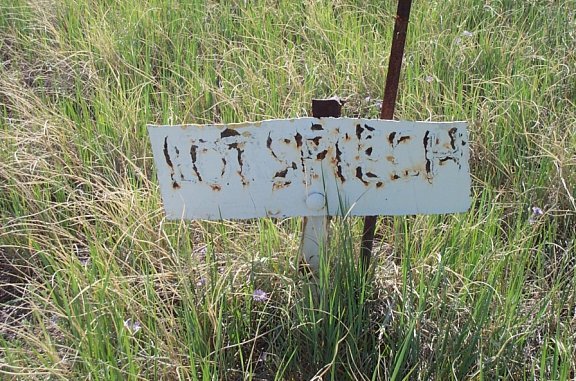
269	168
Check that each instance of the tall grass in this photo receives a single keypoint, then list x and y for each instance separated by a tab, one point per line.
95	284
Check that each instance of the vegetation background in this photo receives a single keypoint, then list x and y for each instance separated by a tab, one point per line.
95	284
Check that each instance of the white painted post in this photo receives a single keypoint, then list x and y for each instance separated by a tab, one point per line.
315	229
314	232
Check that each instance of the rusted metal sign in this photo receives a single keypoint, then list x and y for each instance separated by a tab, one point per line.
312	167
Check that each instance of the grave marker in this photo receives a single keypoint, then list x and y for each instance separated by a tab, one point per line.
312	167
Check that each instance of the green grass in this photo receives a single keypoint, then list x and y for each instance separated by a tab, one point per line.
483	295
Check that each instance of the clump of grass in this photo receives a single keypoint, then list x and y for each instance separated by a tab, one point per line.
94	283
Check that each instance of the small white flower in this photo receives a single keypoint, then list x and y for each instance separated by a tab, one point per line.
467	33
54	320
133	327
201	282
262	357
429	79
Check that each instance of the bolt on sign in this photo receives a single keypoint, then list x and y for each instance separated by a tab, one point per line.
312	167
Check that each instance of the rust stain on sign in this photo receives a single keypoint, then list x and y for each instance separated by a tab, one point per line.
361	166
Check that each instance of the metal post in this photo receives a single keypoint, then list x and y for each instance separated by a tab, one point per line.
388	105
315	229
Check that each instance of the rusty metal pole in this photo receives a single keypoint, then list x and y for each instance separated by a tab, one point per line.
387	110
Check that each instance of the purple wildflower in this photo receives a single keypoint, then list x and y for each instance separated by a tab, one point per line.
536	214
133	327
85	261
259	295
201	252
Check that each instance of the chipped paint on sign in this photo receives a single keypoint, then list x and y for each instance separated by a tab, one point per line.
271	168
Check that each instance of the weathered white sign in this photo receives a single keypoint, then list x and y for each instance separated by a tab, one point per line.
312	167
